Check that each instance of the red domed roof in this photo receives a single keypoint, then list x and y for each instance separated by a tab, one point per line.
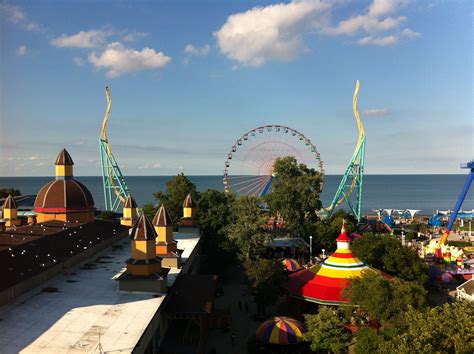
61	196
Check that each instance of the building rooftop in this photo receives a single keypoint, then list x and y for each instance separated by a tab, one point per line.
70	312
29	250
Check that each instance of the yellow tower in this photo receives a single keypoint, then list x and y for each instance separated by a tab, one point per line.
10	212
129	212
166	246
64	165
144	261
189	212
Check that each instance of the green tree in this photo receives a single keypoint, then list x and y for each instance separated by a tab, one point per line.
442	329
326	331
384	299
368	340
326	231
267	277
295	195
177	188
214	211
387	254
107	215
150	210
248	228
4	192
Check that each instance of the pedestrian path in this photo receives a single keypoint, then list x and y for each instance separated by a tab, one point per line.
242	325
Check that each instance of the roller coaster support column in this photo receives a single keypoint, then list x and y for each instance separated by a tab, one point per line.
464	191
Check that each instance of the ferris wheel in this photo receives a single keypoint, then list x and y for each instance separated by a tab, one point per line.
249	165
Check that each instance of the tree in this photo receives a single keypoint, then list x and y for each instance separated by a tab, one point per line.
384	299
150	210
295	195
248	228
107	215
368	340
387	254
442	329
214	211
176	191
4	192
326	331
267	276
326	231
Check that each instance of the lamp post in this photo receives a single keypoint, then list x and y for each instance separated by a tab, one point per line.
310	249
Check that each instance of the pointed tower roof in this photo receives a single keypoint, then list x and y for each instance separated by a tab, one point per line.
9	203
143	229
343	235
188	202
326	285
162	217
64	158
130	202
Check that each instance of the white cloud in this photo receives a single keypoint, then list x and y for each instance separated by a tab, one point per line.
267	33
191	51
133	36
78	61
381	41
21	50
366	23
83	39
150	166
118	59
14	14
385	7
374	22
276	32
376	112
202	51
408	33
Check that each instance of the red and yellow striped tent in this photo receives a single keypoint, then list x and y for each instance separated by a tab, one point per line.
326	284
281	330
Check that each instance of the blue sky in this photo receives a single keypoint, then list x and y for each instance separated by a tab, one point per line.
188	78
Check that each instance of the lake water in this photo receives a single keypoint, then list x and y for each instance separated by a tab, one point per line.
425	192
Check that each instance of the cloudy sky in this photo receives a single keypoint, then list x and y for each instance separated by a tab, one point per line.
188	78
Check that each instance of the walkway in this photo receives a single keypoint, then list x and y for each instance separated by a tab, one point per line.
242	323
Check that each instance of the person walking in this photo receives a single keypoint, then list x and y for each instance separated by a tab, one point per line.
232	338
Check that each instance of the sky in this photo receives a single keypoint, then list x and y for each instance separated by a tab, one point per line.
188	78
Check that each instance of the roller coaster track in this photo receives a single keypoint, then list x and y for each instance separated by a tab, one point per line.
353	177
115	188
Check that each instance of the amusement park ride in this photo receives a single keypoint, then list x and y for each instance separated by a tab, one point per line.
467	185
115	188
249	165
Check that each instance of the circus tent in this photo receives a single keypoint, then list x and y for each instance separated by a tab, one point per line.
326	284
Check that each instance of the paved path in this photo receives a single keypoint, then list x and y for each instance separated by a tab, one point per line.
242	323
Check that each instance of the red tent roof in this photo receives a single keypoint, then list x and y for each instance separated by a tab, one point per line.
326	284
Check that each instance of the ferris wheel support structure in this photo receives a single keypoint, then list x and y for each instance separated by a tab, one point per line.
351	186
115	188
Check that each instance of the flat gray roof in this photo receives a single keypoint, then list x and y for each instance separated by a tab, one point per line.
86	305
